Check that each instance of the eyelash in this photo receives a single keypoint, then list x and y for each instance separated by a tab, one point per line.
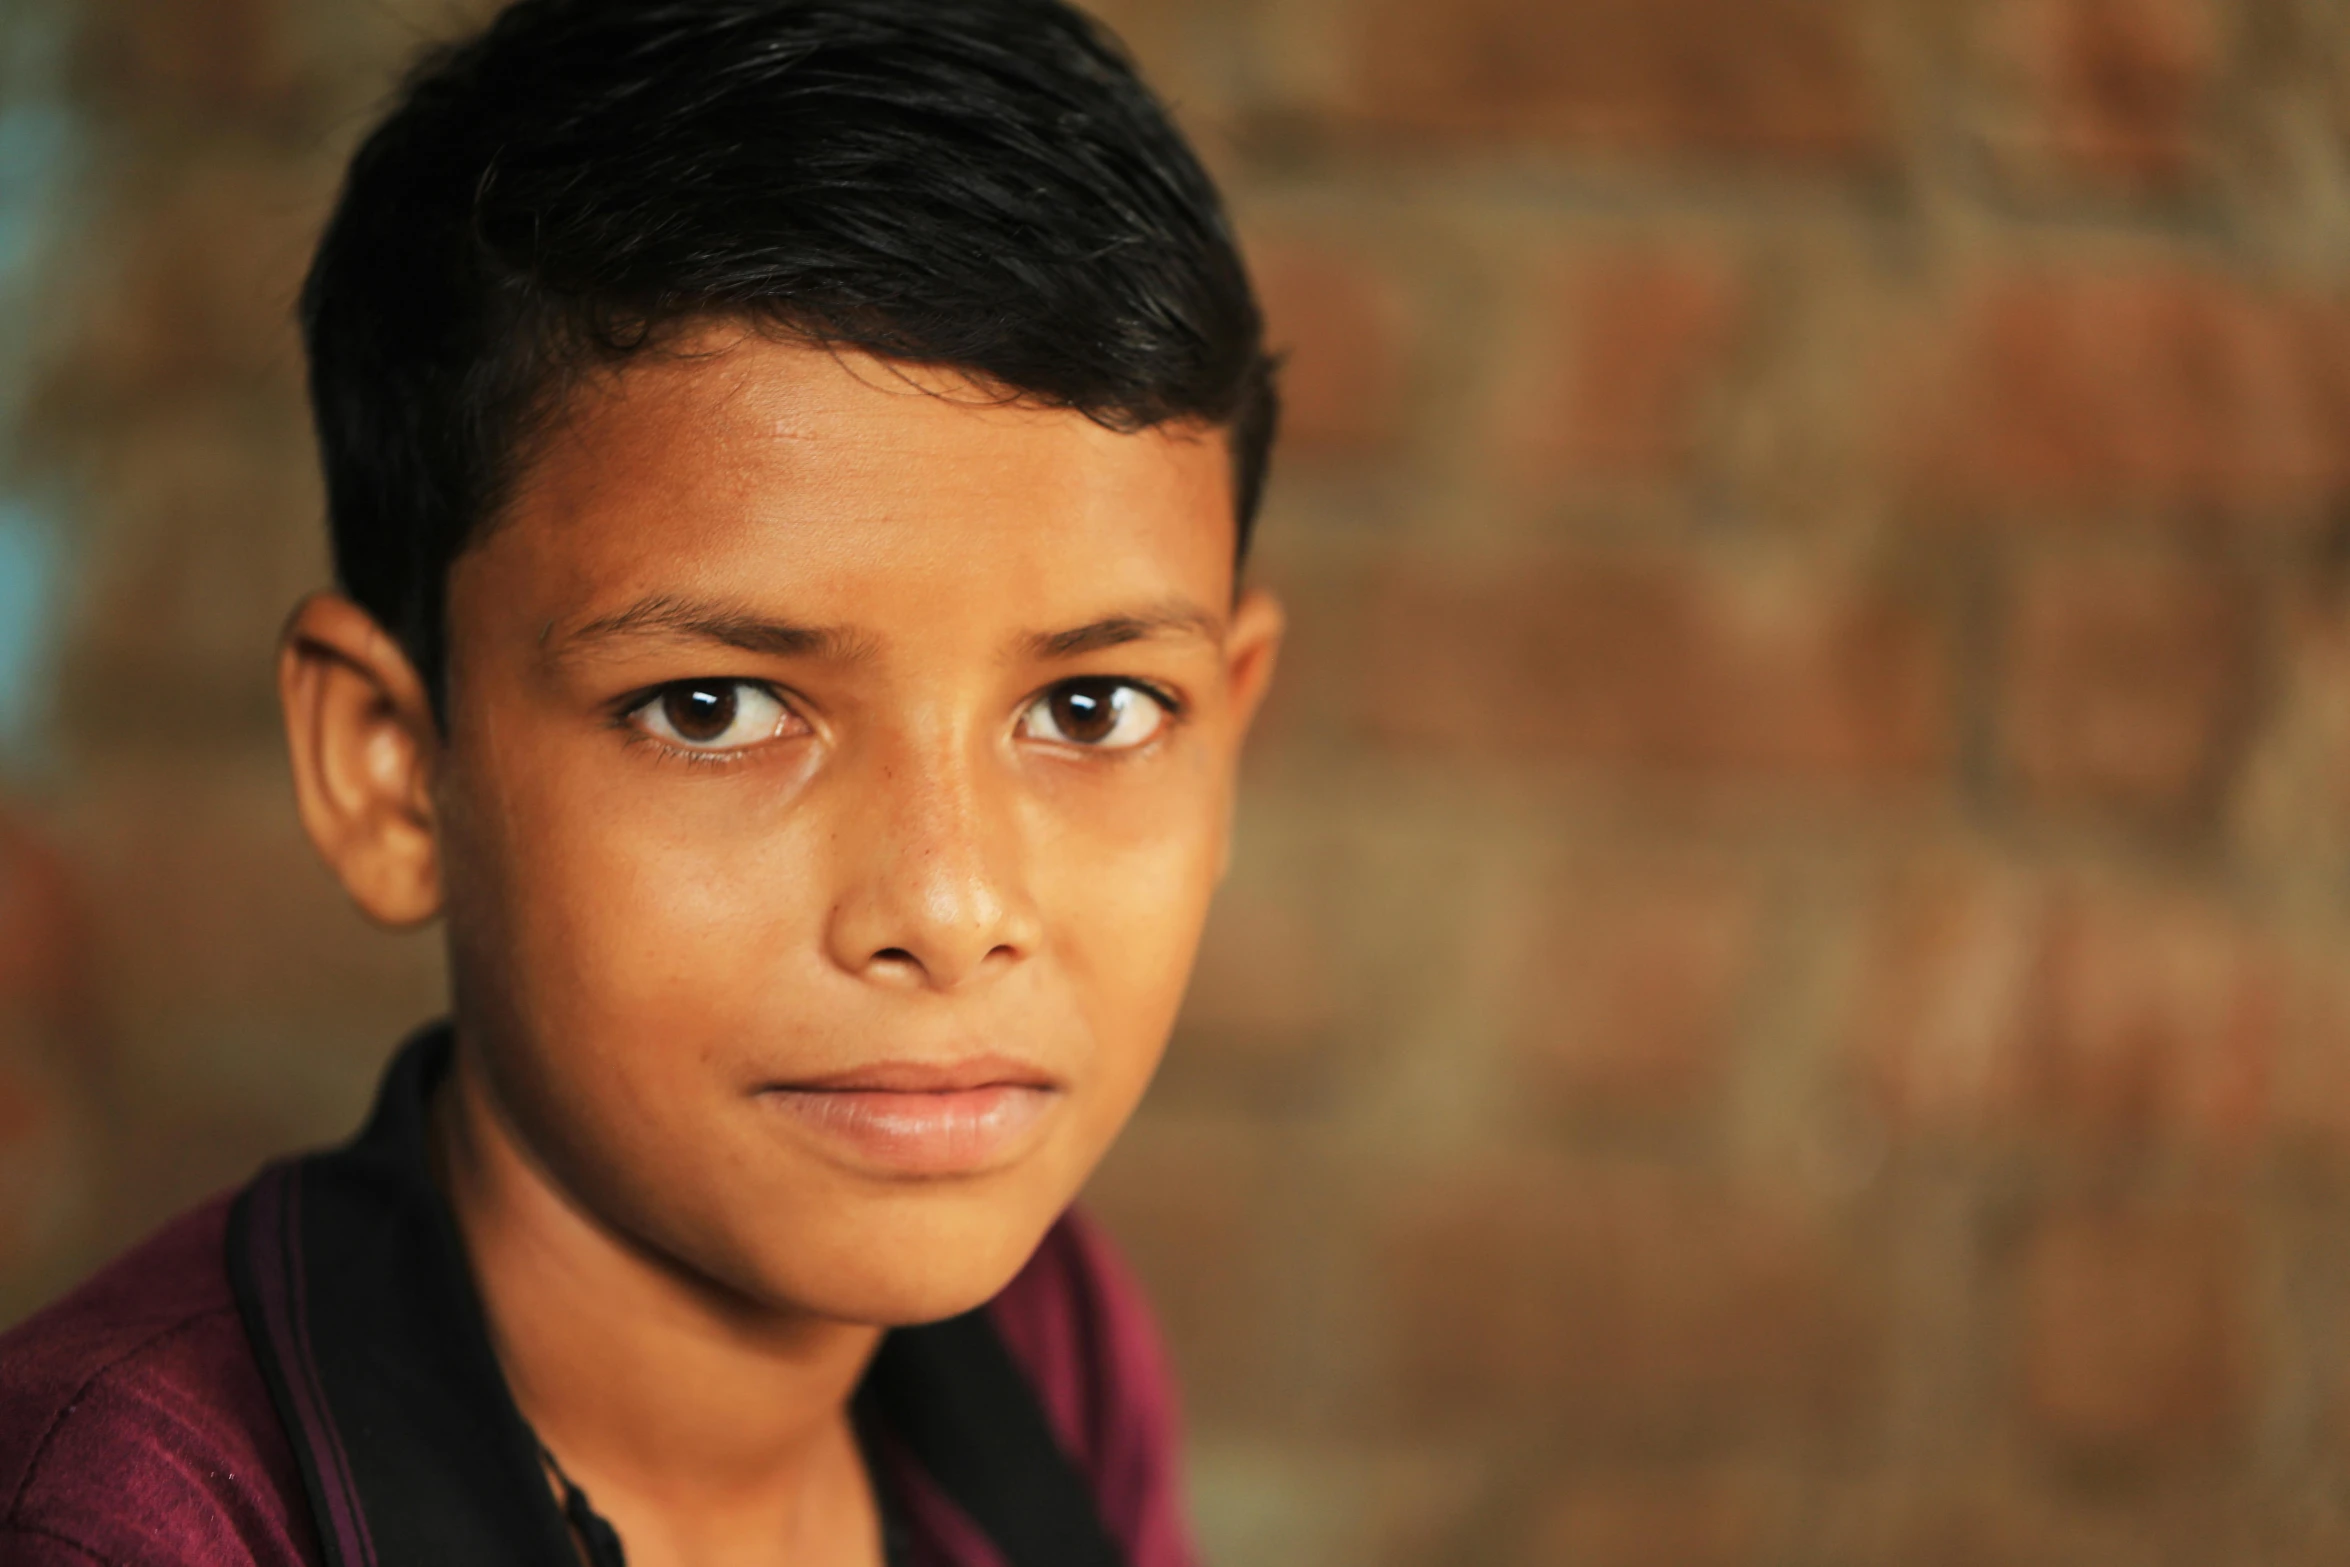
625	710
1172	701
1171	706
624	713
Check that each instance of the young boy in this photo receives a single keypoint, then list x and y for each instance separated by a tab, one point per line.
788	462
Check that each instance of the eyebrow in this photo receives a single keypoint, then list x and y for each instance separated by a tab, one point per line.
1169	620
666	617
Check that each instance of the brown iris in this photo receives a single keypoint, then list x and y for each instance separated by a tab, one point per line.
700	711
1087	710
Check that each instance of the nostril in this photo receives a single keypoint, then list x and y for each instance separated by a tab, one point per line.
893	955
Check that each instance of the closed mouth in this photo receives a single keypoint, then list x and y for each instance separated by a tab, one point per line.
916	1118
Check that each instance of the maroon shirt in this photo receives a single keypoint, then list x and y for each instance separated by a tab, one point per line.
137	1426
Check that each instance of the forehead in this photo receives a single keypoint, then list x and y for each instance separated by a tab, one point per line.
857	491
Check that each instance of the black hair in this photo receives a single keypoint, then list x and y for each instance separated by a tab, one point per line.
980	184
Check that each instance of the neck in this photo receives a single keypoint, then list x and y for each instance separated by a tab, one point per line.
706	1427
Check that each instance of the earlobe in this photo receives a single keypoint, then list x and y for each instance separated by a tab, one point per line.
363	742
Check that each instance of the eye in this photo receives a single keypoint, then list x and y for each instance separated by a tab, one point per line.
712	715
1103	713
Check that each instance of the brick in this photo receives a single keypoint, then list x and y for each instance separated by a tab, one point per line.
2129	685
1993	1515
1617	1303
2135	1332
1161	36
1265	1001
2119	90
48	1048
1344	328
230	61
2290	805
2312	1093
2157	1015
1671	1518
1997	1005
199	293
47	1152
168	1156
1186	1201
1646	341
44	957
1279	1498
2110	391
1659	666
1949	980
1310	706
1630	989
210	531
1784	79
212	917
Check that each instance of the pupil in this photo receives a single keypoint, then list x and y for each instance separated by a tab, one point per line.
1088	710
699	712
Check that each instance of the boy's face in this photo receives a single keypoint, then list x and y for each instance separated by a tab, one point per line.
839	764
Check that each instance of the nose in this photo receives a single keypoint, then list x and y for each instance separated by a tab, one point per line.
931	891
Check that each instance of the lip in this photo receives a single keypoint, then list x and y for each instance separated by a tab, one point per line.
921	1118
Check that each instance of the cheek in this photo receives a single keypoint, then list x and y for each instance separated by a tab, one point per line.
619	901
1124	893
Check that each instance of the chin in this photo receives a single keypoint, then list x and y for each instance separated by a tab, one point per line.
906	1302
907	1258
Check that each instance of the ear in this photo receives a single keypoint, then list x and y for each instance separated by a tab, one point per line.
1252	646
364	746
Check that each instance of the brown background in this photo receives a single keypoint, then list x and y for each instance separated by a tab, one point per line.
1783	1000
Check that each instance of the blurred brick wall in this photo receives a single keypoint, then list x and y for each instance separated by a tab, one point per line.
224	1002
1783	999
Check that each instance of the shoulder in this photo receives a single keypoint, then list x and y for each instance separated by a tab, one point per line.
1079	1325
134	1423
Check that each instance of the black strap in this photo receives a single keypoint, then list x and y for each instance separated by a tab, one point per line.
953	1395
600	1543
598	1540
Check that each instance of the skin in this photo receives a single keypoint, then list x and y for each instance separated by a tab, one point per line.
908	864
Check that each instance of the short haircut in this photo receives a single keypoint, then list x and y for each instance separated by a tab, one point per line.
985	185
